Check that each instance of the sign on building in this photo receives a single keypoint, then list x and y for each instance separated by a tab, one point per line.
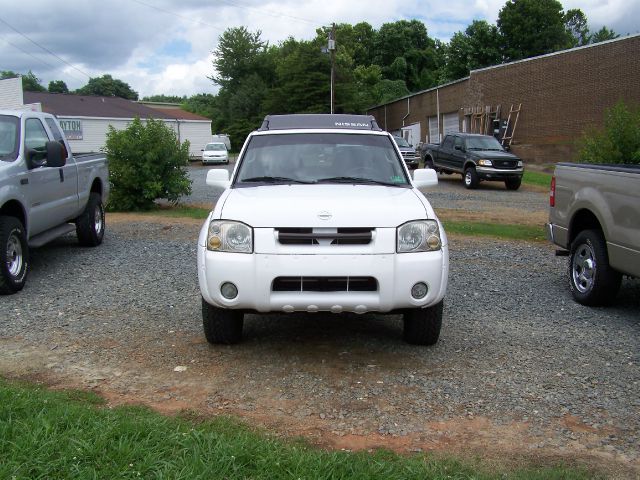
72	129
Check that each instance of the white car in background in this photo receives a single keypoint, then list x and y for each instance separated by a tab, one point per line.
321	215
215	153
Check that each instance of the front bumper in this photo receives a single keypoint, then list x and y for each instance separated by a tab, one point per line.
215	159
490	173
253	274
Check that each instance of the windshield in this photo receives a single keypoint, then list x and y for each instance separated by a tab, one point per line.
483	143
215	147
9	137
320	158
402	142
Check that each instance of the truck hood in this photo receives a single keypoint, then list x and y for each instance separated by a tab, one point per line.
323	206
493	155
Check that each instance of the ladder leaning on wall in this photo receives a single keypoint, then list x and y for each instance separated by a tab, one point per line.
510	129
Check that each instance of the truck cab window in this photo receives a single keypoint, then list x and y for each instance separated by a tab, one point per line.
448	142
57	134
35	138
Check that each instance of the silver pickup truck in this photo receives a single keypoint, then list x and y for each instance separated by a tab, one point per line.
594	216
45	192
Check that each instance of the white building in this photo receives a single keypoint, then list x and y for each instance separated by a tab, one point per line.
85	119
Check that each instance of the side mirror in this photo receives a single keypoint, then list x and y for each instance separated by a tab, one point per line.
55	154
425	177
458	147
218	177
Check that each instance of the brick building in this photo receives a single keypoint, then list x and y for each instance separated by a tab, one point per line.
562	95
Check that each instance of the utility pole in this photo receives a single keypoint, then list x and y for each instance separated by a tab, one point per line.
332	51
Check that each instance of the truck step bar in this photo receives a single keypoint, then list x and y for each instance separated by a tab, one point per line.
45	237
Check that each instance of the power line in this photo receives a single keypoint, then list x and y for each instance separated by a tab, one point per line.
272	14
45	49
17	47
179	16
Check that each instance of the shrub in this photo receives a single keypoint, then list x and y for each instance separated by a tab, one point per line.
146	163
618	142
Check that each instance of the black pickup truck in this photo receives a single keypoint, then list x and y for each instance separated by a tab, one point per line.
475	157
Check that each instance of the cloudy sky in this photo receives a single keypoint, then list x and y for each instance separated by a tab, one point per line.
164	46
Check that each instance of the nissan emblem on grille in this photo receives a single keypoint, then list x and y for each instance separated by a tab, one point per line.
324	215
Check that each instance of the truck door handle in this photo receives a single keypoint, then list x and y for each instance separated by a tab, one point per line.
24	181
61	175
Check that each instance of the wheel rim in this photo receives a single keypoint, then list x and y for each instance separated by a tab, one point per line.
583	268
14	255
98	220
467	177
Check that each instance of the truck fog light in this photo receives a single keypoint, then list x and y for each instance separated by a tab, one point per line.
214	243
434	242
229	290
419	290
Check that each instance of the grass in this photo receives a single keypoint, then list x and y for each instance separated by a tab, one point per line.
539	179
45	434
179	211
506	231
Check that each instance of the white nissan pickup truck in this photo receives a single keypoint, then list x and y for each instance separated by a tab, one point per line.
45	192
321	214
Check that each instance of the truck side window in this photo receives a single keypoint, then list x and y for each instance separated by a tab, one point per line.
57	134
36	138
458	143
448	142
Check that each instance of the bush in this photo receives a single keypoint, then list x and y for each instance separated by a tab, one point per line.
618	142
146	163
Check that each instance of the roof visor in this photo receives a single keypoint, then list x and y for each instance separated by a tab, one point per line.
319	121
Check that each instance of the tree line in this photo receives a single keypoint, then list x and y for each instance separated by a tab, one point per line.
372	66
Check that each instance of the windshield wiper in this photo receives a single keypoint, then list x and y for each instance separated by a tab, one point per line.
268	179
355	180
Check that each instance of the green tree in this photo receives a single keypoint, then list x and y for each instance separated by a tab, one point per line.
237	56
477	47
408	40
146	163
532	27
165	98
5	74
603	34
302	79
58	86
576	25
31	83
108	86
618	142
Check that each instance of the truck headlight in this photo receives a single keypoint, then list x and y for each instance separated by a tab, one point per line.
485	163
229	236
418	236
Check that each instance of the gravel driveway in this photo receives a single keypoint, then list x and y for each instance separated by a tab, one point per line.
520	369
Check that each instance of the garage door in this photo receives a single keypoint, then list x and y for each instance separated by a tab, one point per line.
411	133
450	122
434	134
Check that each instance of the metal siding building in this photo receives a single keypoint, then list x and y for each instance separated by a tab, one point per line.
563	95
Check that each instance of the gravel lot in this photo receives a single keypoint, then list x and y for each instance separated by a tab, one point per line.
520	371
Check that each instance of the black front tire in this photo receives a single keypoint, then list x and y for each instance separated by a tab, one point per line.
221	325
513	183
422	325
592	281
470	178
90	225
14	255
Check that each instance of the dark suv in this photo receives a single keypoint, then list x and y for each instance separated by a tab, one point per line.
409	154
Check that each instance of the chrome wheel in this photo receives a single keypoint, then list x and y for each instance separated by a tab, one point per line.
583	268
467	178
98	219
14	255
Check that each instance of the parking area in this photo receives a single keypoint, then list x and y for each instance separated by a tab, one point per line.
520	371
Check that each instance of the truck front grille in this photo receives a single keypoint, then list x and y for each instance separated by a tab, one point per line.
324	284
339	236
507	164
